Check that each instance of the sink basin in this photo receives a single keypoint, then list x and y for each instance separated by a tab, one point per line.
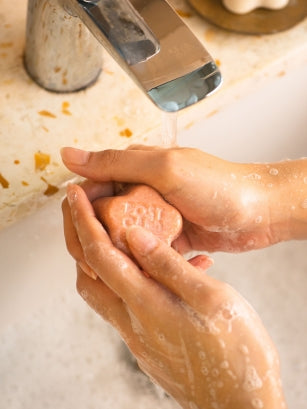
56	352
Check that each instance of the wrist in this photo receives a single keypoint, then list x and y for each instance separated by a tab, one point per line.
274	200
288	199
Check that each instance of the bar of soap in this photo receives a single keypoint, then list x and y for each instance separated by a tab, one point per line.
138	205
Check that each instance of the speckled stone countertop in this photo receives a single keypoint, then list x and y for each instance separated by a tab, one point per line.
113	113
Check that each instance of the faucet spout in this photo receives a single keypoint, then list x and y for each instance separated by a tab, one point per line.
118	23
146	37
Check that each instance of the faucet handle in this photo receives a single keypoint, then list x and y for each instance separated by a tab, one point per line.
124	28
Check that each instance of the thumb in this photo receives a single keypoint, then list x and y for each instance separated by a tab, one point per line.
165	265
130	166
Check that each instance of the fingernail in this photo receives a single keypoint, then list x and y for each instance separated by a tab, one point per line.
87	270
141	240
75	156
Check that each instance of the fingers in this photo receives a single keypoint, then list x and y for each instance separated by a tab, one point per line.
98	296
168	267
93	191
114	268
108	305
96	190
131	166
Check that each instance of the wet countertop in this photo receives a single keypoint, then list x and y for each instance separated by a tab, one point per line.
113	113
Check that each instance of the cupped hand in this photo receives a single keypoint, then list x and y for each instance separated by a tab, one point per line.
195	336
226	206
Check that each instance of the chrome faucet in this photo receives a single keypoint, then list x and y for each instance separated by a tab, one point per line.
146	37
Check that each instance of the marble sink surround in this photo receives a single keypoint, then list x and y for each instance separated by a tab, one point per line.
113	113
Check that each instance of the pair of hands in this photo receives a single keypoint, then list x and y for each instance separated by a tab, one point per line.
195	336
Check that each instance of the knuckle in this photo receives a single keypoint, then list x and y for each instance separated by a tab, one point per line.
92	252
171	169
111	157
171	158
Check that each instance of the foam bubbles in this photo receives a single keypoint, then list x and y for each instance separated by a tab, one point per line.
215	372
254	176
84	294
204	370
250	243
258	219
224	364
252	380
257	403
273	172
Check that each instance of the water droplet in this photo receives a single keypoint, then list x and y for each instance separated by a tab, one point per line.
254	176
273	171
304	204
161	337
258	219
204	370
222	344
244	349
212	393
270	185
305	180
251	243
231	374
219	384
215	372
257	403
224	364
84	294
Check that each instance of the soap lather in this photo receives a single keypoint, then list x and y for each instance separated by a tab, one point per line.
146	37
